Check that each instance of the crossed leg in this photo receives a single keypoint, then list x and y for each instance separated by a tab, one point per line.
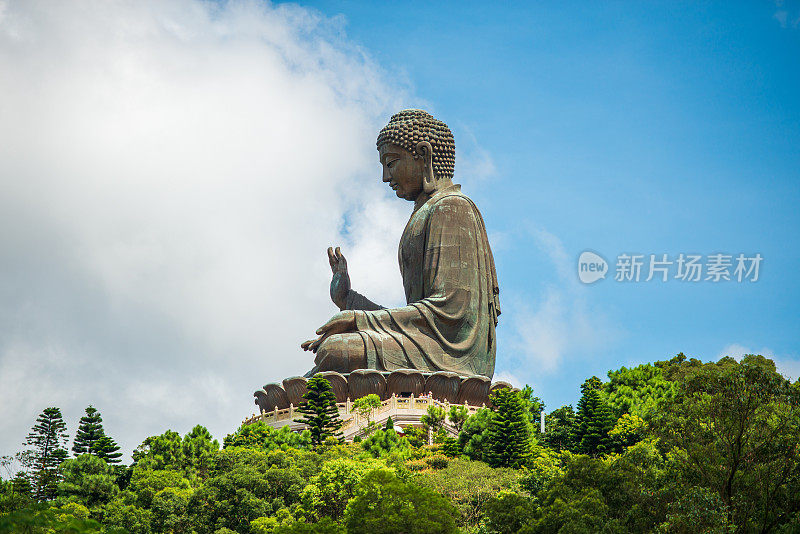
341	353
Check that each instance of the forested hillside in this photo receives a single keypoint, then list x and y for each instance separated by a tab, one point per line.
677	446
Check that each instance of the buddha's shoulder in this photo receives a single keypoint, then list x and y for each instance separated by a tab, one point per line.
452	198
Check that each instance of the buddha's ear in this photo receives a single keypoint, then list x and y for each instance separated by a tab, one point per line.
425	149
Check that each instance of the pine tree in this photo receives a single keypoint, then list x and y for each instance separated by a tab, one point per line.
91	438
458	416
509	434
433	418
594	420
90	430
48	439
319	411
107	449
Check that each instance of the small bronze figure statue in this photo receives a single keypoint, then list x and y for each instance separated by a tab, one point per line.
445	261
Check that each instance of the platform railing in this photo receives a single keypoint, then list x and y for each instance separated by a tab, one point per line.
393	404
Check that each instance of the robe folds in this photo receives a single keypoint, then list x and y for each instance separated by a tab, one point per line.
451	290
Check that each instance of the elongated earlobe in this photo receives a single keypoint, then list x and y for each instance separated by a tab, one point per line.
425	149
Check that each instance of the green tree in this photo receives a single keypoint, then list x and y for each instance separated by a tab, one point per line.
365	407
147	483
585	512
170	511
90	438
319	411
199	447
628	430
383	442
614	494
458	416
535	406
696	509
127	517
545	467
734	428
108	450
560	429
48	440
450	447
433	418
594	420
90	430
15	494
88	479
260	435
416	436
474	436
191	455
509	512
678	367
386	505
160	452
41	519
470	486
332	488
243	485
510	437
637	390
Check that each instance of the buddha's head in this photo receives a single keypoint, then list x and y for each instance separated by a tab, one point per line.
417	152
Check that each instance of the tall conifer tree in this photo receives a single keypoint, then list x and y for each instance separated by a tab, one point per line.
91	438
319	411
509	433
90	430
594	420
48	442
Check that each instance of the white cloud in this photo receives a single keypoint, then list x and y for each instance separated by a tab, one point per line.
474	163
788	366
171	173
562	323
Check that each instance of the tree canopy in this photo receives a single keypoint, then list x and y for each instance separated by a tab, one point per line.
717	450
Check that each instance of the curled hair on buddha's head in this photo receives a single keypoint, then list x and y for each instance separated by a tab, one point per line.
410	127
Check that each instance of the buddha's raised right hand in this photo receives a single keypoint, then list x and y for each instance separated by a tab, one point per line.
340	283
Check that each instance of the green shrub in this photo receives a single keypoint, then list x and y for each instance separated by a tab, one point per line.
383	442
437	461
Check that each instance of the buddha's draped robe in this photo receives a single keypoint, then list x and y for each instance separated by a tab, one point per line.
451	290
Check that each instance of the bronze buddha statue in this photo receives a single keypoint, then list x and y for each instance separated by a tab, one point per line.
446	263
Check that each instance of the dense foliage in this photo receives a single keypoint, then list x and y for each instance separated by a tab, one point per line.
679	446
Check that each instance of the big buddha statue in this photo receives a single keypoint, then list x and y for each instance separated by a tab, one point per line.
452	295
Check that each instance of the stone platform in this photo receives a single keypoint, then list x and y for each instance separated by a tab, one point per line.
443	386
405	396
404	411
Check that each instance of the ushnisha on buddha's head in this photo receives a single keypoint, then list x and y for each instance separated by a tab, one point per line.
417	152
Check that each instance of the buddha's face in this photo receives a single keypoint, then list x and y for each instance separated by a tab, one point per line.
402	172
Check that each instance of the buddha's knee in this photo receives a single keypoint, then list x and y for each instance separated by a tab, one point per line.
342	353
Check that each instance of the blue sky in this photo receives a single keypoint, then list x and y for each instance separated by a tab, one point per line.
647	127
